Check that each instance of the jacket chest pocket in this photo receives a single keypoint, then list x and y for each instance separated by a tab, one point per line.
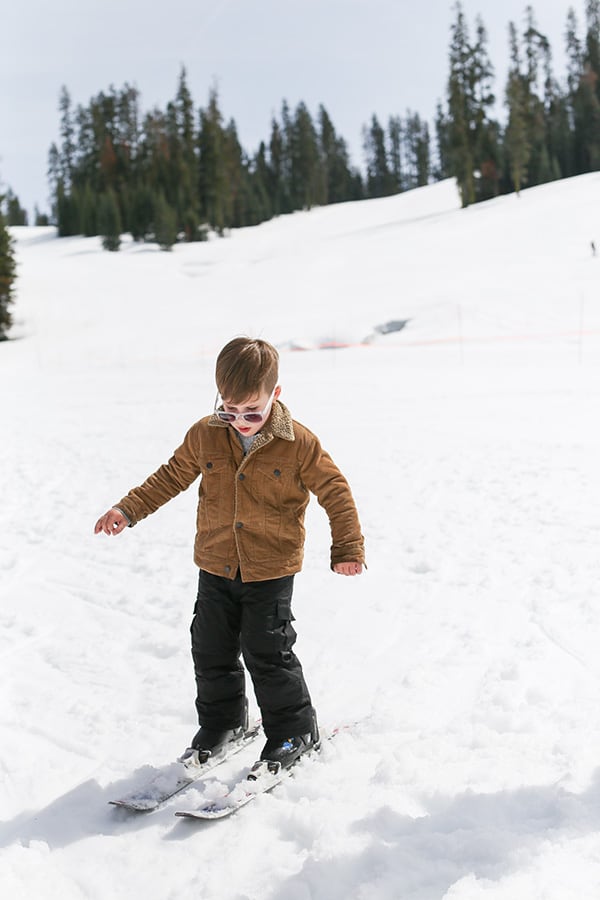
217	477
274	482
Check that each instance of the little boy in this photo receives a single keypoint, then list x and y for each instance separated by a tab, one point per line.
257	466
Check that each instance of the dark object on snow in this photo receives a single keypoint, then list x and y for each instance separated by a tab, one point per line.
393	325
593	246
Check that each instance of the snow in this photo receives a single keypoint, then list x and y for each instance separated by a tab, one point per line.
465	659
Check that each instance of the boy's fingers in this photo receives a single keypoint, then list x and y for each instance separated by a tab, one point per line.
348	568
99	525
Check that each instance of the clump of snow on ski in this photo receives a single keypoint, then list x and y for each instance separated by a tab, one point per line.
175	777
243	793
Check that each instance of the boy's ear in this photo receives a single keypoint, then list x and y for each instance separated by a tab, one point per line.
277	392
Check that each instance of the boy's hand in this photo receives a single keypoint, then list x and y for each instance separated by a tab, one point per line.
348	568
112	522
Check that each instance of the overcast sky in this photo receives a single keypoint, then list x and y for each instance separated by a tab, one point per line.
357	57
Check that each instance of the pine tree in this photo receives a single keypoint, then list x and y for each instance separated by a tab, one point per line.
141	212
109	221
54	178
516	137
588	107
335	161
152	168
8	273
395	142
556	120
260	177
15	214
460	114
416	151
470	134
442	133
590	85
237	195
212	182
584	89
487	153
287	150
277	182
575	65
165	223
537	48
592	40
88	150
67	134
307	182
87	212
380	179
68	215
187	194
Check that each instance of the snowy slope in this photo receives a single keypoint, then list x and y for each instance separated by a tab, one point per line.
466	655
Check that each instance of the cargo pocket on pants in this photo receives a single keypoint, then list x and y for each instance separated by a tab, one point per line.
286	630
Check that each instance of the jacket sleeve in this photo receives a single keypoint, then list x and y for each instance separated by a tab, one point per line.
323	478
169	480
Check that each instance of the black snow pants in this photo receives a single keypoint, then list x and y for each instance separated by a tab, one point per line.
254	619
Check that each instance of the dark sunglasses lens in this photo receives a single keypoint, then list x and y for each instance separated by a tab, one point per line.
226	417
253	417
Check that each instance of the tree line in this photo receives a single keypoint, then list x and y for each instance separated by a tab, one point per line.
178	173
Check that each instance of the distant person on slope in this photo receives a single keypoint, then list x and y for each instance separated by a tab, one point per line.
257	466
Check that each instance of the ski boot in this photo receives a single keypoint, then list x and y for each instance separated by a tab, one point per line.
283	753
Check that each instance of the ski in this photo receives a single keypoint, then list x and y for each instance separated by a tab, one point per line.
262	778
177	776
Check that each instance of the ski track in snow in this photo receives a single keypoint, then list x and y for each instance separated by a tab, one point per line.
466	655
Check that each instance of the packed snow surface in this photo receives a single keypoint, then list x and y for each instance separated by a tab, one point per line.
464	660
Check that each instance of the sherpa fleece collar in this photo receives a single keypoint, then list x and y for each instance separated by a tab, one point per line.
279	424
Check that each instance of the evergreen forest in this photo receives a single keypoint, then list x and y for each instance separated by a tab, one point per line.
178	173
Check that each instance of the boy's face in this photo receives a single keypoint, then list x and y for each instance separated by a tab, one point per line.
261	402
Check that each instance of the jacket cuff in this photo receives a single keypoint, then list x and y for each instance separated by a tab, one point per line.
130	522
354	552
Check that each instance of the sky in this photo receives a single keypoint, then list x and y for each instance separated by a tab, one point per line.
357	57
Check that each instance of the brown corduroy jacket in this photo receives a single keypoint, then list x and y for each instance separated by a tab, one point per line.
251	508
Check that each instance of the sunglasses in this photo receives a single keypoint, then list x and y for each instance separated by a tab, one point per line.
252	417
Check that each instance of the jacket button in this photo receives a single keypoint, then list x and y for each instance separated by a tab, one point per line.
209	465
276	472
241	476
228	569
239	524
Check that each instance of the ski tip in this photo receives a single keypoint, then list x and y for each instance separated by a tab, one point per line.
132	807
206	815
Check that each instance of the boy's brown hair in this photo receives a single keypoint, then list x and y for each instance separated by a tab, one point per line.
245	367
